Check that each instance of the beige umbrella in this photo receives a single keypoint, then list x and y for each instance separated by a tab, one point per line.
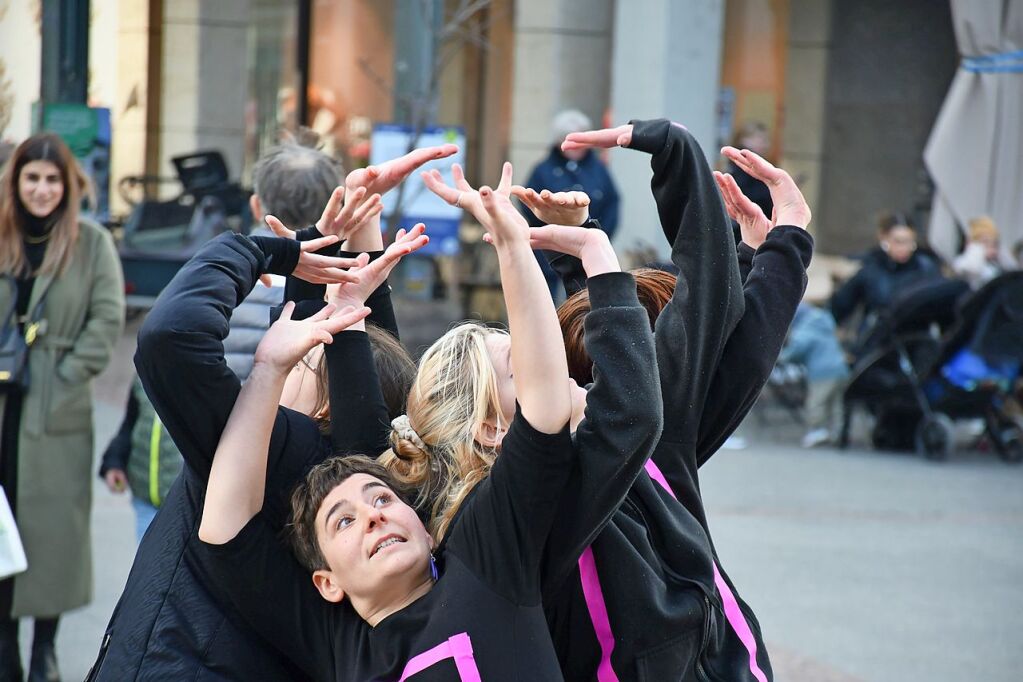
975	152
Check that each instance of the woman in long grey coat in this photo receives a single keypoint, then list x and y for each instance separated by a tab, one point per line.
62	277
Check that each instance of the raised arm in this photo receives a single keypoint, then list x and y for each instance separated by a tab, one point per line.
623	415
359	419
772	292
514	508
538	355
180	356
234	493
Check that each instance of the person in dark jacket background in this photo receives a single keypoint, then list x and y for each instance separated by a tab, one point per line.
894	264
573	171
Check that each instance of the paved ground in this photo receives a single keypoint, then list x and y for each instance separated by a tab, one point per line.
861	566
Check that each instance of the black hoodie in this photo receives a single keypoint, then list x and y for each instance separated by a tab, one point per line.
648	601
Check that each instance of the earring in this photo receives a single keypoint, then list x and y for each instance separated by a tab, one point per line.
433	567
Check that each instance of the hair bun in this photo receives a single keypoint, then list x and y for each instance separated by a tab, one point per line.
407	443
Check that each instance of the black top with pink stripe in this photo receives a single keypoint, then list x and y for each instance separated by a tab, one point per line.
648	600
481	621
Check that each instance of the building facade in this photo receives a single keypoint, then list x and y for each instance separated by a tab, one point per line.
848	89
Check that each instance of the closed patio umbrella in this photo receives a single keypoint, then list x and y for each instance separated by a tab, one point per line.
975	152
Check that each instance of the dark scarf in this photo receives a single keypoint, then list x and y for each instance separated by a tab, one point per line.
36	235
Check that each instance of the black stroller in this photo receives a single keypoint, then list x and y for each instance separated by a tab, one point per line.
909	375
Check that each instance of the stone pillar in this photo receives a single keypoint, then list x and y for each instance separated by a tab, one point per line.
667	63
204	80
806	74
136	105
562	61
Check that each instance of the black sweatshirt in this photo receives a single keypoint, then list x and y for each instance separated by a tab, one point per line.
167	624
664	614
486	599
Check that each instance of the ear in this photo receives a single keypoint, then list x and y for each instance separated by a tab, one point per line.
257	209
489	434
326	583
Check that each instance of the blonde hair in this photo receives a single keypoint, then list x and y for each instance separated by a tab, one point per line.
982	227
454	392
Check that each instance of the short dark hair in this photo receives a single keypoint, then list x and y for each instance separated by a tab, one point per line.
310	493
294	183
889	220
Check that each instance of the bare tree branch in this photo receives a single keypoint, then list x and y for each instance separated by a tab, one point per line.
457	31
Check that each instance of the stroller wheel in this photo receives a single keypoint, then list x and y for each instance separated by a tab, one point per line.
1011	449
934	436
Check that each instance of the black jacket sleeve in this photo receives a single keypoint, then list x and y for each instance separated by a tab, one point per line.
622	423
308	297
707	303
773	291
359	423
745	253
180	355
117	452
296	289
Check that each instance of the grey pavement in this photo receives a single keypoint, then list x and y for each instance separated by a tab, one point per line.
861	566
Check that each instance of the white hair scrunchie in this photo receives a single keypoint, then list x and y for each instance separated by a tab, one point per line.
403	428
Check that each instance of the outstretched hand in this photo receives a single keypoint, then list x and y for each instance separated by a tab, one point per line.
372	275
753	224
341	220
287	341
320	269
605	138
790	207
384	177
346	219
555	208
588	244
491	207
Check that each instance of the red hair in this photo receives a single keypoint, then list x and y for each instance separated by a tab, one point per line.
654	289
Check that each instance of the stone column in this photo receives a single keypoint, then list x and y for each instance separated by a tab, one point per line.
204	80
667	63
135	109
806	74
562	61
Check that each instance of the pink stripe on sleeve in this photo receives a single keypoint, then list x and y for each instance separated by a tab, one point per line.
594	597
458	647
733	614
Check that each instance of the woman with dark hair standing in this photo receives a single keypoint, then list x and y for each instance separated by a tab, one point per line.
63	288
